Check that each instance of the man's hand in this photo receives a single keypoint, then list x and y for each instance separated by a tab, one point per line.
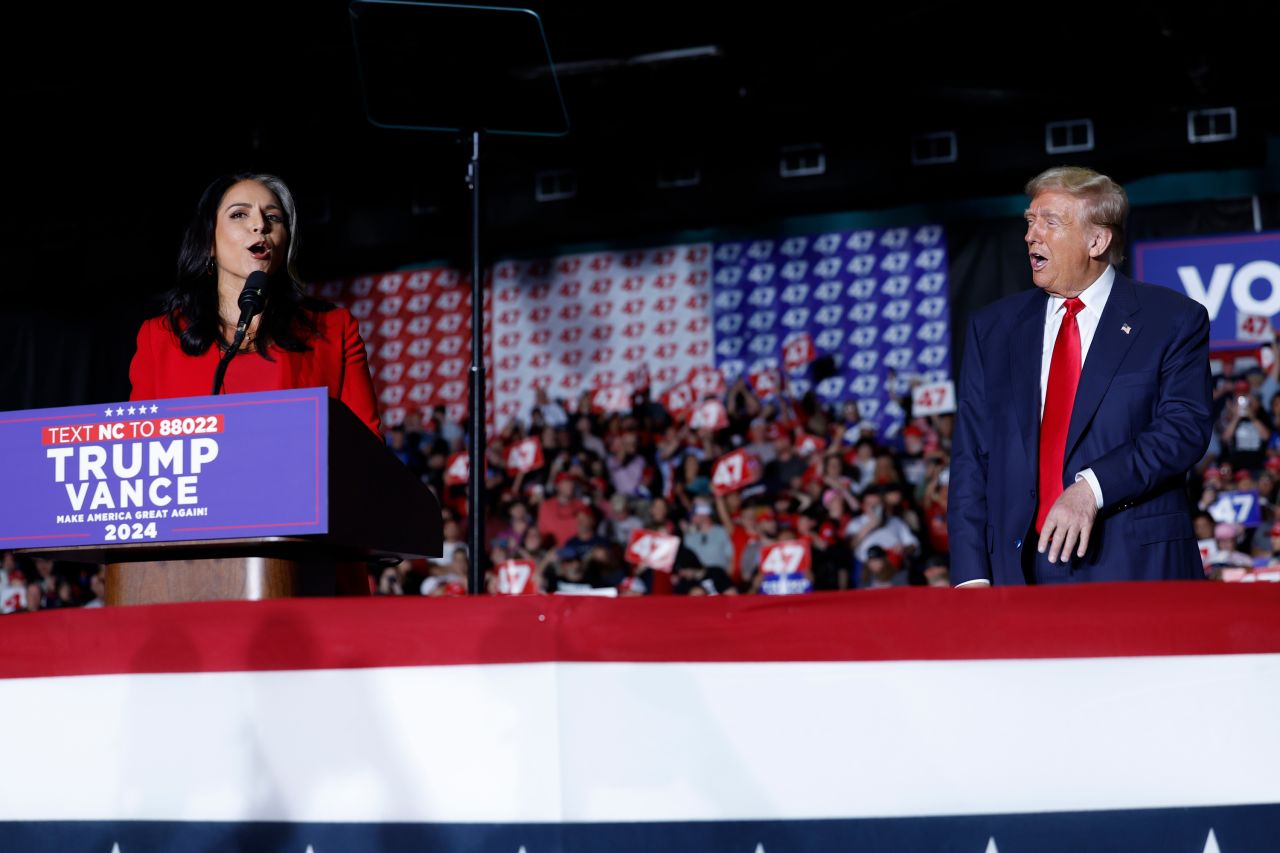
1069	523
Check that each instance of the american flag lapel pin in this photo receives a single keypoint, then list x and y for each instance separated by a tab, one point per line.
1126	328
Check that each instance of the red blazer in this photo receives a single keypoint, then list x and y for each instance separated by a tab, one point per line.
336	360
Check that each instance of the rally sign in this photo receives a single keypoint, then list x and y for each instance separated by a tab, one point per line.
797	352
611	398
524	456
1253	327
679	400
166	470
709	415
707	381
765	383
808	444
13	598
734	471
458	470
786	567
517	577
1231	275
937	398
1237	508
1208	551
655	550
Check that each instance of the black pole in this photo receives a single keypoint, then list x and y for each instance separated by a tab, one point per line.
475	503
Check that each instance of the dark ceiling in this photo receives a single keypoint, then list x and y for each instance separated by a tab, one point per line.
118	115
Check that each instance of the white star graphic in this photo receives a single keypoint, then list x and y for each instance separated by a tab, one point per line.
1211	843
132	410
154	408
108	411
115	848
991	845
760	847
120	410
309	850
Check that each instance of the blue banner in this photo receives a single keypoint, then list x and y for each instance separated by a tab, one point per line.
874	301
1232	276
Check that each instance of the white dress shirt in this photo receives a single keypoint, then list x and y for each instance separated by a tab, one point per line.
1094	298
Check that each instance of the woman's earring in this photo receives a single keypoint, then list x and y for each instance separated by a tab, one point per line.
210	266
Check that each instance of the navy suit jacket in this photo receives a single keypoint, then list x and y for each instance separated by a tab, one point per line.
1140	421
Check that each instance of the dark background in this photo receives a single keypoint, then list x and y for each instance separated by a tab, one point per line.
117	117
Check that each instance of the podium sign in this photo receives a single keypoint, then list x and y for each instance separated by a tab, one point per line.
182	469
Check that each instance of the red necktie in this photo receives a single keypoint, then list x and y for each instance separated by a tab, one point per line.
1060	396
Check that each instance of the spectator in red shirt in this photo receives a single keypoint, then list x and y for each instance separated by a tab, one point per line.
557	515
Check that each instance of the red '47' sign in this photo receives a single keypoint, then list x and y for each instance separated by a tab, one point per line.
807	444
785	558
706	381
655	550
611	398
679	400
524	456
733	471
797	352
458	471
709	415
517	577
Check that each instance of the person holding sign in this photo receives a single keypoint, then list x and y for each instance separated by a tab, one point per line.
246	223
1082	404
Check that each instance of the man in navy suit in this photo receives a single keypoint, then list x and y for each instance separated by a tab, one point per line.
1082	404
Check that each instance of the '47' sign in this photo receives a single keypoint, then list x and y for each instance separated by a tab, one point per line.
657	551
517	577
524	456
733	471
785	568
938	398
785	558
1237	508
458	471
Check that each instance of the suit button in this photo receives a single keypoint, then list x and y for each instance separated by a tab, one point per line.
1017	543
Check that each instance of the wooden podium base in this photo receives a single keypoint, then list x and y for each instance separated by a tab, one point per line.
234	578
227	569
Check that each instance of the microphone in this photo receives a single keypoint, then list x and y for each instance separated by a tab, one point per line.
252	298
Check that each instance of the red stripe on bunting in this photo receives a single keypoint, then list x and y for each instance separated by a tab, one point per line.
1100	620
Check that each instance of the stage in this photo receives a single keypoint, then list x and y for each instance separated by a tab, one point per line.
1106	717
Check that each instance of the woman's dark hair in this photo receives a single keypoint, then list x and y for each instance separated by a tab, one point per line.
192	305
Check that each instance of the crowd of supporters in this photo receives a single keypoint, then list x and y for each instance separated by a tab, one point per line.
1235	488
872	510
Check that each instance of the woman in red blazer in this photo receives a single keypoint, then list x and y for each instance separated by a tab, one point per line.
245	223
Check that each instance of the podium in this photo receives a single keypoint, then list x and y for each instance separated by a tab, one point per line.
241	496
